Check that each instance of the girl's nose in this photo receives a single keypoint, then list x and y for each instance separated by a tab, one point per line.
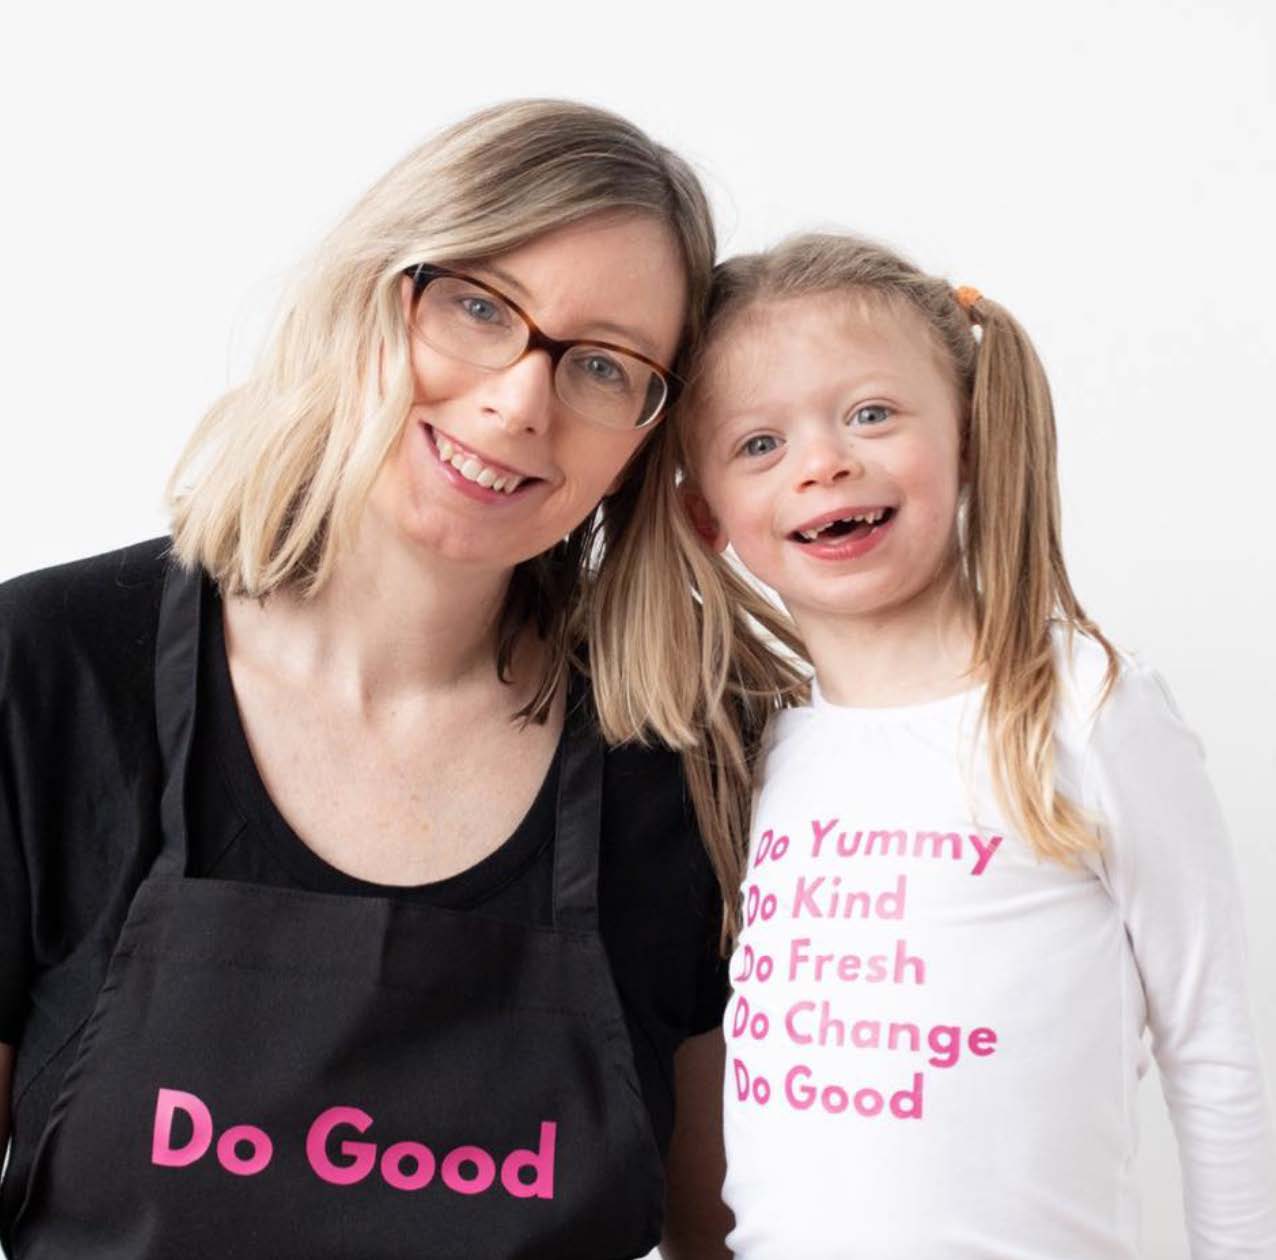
521	396
827	459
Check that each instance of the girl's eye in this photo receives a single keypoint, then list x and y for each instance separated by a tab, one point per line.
870	415
760	444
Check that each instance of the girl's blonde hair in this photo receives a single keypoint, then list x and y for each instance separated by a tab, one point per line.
272	483
684	651
1011	566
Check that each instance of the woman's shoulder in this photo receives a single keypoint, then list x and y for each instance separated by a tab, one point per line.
60	589
92	606
647	780
47	604
649	825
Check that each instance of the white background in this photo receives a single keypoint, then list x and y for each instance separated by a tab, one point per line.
1106	170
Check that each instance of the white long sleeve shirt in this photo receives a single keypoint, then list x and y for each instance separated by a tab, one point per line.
936	1036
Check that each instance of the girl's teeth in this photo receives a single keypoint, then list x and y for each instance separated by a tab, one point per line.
865	518
485	478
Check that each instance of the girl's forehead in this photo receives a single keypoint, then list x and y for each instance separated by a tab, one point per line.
775	346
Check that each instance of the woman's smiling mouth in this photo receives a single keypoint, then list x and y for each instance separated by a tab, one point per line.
474	473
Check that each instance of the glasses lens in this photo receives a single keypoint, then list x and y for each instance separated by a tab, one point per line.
469	323
610	386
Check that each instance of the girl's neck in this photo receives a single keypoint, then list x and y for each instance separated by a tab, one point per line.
390	624
916	652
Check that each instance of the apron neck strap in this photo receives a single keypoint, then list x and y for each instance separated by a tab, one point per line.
580	807
580	783
176	678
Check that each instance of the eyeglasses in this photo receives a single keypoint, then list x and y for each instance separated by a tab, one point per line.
469	320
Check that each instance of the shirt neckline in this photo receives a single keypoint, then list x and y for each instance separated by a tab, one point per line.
248	791
921	710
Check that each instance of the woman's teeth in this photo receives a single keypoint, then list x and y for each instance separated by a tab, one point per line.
473	469
863	518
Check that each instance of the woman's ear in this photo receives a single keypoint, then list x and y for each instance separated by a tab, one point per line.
701	516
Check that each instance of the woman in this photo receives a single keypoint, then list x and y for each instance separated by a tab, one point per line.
331	925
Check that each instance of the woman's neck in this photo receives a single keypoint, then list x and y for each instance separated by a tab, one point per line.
920	651
391	623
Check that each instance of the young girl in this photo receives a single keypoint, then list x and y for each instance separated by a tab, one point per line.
985	857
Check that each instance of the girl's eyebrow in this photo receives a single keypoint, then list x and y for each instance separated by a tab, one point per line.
723	433
869	384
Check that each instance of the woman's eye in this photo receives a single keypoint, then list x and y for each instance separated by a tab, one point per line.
481	310
760	444
868	416
598	371
603	369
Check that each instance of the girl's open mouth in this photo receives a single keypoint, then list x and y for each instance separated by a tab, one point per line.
852	526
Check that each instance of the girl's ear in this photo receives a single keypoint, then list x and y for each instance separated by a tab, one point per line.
701	517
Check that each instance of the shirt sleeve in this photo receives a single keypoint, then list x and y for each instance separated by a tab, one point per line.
713	984
1171	869
15	906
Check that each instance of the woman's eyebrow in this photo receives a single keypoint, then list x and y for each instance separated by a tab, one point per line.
623	333
506	278
626	335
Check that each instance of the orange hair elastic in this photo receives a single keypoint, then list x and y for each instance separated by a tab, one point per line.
967	296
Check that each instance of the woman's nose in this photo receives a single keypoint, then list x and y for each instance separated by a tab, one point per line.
522	395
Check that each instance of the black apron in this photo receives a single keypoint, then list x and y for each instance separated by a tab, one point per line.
269	1072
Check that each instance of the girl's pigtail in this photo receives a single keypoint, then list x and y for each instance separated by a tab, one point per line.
1014	568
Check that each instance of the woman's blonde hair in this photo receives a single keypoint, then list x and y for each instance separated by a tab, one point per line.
272	483
1011	565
